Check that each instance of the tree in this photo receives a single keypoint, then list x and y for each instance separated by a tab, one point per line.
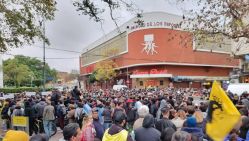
218	19
105	70
94	10
92	77
21	21
15	73
35	66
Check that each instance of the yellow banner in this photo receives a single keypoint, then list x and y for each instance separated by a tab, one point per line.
222	114
20	121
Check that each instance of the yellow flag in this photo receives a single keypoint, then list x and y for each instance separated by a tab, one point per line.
222	114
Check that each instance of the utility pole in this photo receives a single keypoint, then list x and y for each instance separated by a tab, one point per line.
44	55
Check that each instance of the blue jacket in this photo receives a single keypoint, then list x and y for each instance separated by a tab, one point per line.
99	129
194	131
238	139
247	136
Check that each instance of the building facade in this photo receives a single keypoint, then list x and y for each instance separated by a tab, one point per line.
157	52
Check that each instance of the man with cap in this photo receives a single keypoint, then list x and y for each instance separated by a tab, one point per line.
116	132
165	122
72	132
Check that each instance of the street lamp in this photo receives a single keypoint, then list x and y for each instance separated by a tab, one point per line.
42	24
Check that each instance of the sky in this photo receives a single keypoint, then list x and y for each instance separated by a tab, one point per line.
71	31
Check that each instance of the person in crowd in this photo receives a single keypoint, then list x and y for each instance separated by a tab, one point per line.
191	127
76	93
190	110
142	112
244	129
131	115
100	109
107	115
179	119
119	107
203	107
72	132
97	125
28	113
171	101
5	117
40	108
117	132
88	130
39	137
48	118
138	103
87	108
147	132
61	113
163	104
154	107
71	114
79	114
233	136
55	96
181	136
167	134
18	111
164	122
199	118
13	135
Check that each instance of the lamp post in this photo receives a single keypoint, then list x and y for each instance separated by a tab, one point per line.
44	55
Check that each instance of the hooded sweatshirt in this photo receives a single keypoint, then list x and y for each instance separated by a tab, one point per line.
147	132
163	103
116	133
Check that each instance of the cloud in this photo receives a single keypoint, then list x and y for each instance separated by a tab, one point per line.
71	31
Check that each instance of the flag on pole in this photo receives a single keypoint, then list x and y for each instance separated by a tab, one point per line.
222	115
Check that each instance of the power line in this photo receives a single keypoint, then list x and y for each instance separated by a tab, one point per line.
42	58
59	49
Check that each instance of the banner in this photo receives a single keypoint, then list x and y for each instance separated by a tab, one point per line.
20	121
222	115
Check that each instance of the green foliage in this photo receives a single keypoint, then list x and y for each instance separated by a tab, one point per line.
105	70
26	68
20	21
22	89
15	73
92	77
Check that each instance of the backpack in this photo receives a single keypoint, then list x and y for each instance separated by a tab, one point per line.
18	112
81	114
61	111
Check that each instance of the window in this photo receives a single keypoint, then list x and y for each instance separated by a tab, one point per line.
161	82
141	83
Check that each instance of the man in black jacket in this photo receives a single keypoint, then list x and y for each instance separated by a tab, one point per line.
165	122
147	132
76	93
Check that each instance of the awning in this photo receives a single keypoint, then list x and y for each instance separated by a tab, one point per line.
150	75
207	78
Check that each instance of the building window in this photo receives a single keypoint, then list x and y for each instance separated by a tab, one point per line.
141	83
161	82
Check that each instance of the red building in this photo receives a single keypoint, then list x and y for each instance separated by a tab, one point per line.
158	52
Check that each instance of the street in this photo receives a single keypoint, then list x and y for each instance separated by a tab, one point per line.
57	136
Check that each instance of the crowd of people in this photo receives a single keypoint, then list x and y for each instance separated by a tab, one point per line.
170	114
